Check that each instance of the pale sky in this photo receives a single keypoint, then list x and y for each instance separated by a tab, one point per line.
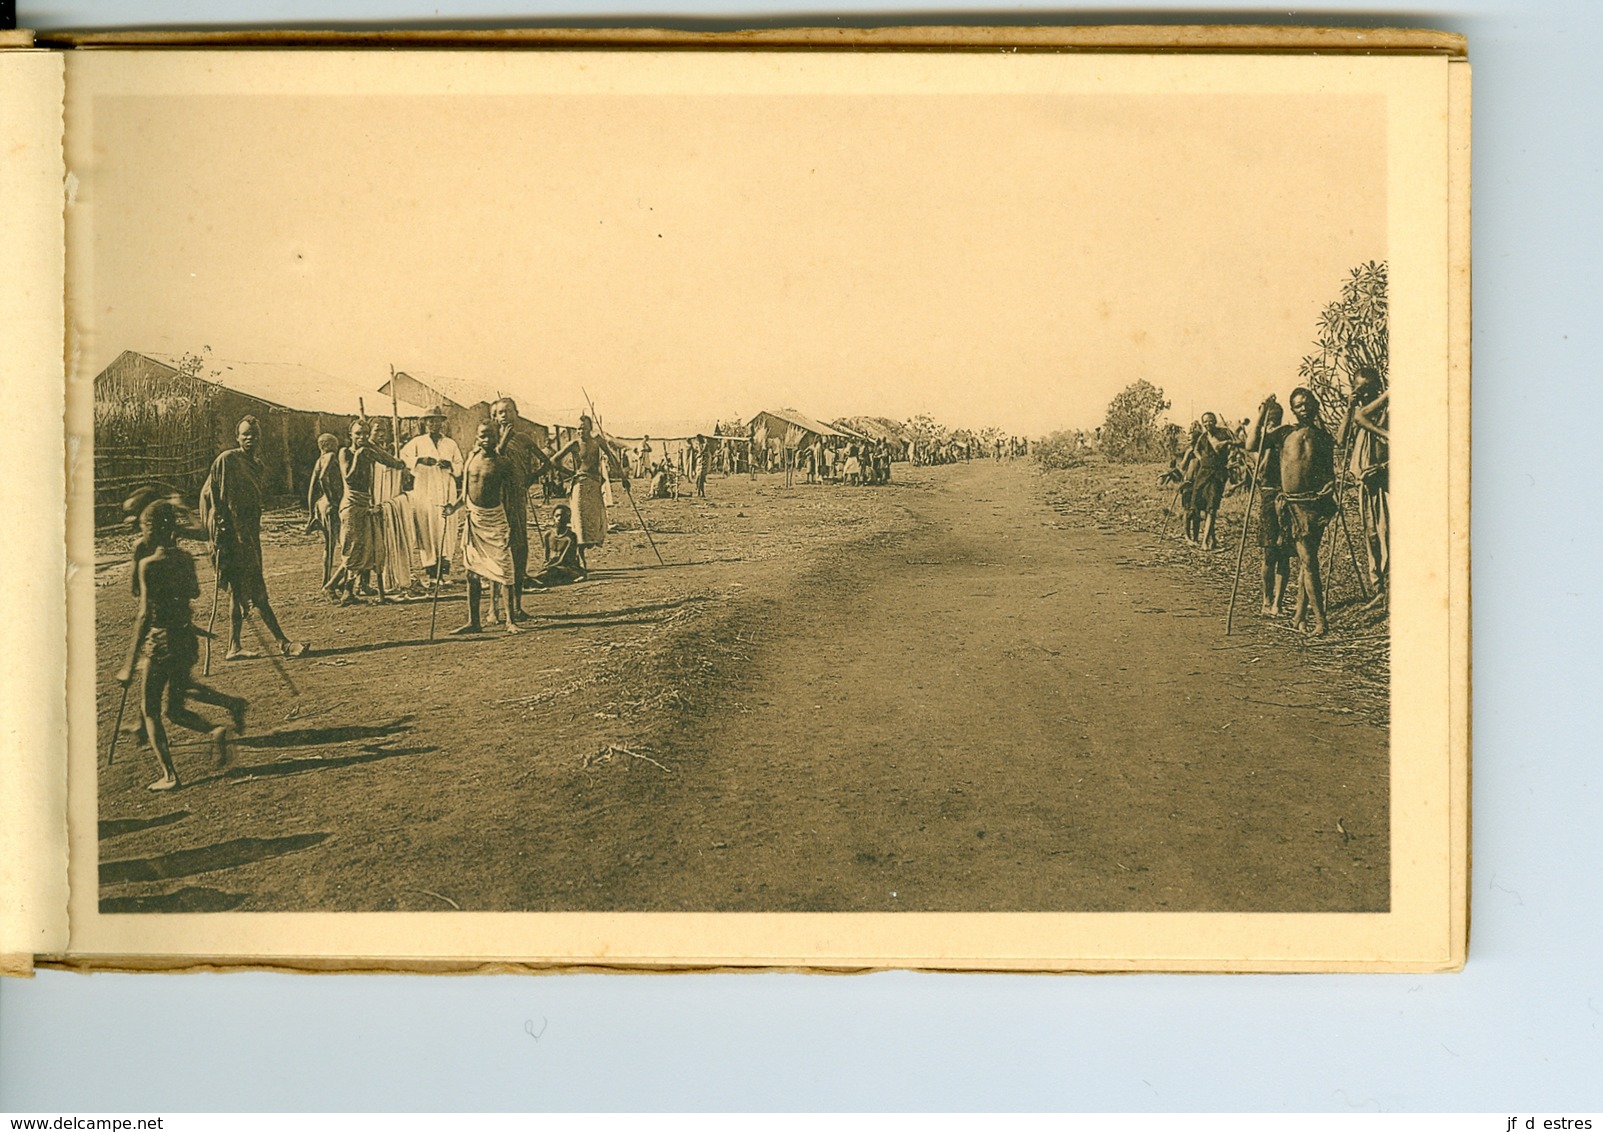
1013	260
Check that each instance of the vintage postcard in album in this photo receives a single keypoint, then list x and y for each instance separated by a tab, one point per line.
729	502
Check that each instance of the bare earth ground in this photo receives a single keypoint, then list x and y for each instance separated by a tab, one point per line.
982	688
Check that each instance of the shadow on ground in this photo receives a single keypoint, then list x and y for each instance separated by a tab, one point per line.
184	900
207	858
119	826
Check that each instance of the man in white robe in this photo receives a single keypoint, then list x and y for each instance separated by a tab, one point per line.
435	461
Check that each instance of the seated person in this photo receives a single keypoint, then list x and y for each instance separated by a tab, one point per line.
562	562
662	481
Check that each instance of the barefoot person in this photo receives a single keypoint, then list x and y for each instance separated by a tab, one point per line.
323	496
589	505
1209	472
562	565
521	463
1276	548
486	535
231	508
436	462
703	460
1307	498
361	536
1370	462
164	647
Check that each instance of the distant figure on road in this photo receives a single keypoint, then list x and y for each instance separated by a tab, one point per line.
703	460
852	473
662	482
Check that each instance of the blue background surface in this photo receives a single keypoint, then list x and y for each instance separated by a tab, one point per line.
1519	1030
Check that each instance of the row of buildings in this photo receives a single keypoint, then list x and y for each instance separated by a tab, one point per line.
161	418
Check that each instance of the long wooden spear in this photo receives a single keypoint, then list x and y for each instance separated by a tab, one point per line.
434	603
1341	517
1171	510
395	418
111	748
642	519
1241	552
211	624
272	653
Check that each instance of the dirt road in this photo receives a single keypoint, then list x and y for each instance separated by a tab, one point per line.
941	695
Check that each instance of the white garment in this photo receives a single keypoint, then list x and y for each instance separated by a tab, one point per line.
432	488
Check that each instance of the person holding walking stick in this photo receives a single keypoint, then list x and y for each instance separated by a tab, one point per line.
487	546
1307	503
588	450
522	463
1366	432
1209	473
164	647
1276	548
435	461
133	509
231	508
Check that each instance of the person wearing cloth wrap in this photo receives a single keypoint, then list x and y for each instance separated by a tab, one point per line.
165	644
1370	438
323	495
1208	474
1307	498
521	463
1276	547
589	505
231	508
486	535
562	566
361	535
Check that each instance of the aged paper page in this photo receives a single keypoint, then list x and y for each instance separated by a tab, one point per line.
33	846
676	233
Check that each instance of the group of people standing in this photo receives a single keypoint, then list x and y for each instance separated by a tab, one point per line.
922	452
473	507
667	474
854	463
1298	472
165	645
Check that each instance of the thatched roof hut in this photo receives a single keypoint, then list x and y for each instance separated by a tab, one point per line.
162	418
782	424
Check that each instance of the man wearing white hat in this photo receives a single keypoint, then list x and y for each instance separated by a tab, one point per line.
435	461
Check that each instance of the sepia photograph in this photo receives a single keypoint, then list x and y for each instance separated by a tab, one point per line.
781	484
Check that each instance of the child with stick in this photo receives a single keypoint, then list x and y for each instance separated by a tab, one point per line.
165	644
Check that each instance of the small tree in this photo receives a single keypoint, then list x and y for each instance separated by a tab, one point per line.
1063	449
1130	433
1352	336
